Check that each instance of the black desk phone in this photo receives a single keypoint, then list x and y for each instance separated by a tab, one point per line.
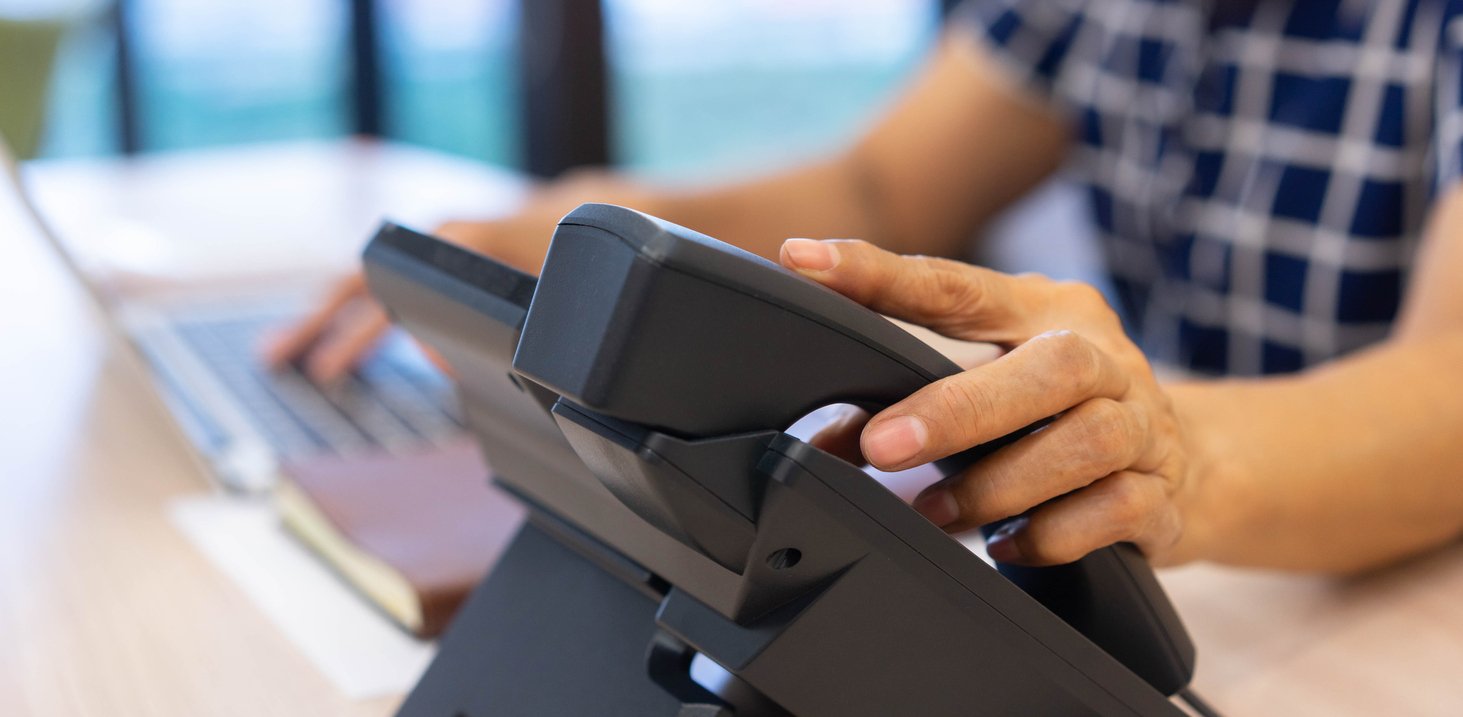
634	397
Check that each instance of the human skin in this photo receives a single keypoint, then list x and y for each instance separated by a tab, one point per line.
922	179
1340	468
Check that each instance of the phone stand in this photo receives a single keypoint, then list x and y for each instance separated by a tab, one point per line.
669	516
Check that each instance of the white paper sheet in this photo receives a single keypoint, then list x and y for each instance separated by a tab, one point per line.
355	647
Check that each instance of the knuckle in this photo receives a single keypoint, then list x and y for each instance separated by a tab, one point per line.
1088	301
1034	284
1164	533
1080	293
1103	428
1076	364
952	294
984	500
1131	503
962	402
1046	546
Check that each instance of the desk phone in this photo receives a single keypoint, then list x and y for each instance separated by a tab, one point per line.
634	396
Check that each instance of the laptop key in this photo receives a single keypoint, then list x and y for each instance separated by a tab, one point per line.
392	402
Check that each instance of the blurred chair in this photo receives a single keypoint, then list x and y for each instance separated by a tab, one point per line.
27	54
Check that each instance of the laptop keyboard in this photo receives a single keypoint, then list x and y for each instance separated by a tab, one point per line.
395	400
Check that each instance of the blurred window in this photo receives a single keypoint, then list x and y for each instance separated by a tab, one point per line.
450	81
81	79
230	71
81	114
738	84
696	86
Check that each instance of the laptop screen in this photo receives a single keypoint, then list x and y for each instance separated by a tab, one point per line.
237	220
12	187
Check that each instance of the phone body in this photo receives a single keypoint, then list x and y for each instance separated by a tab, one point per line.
637	393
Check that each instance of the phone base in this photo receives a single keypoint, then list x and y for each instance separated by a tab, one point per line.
554	630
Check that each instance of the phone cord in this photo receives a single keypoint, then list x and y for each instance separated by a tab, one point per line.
1197	703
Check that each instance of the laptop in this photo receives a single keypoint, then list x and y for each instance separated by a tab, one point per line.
198	324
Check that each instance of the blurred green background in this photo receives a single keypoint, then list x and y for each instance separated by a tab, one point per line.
697	86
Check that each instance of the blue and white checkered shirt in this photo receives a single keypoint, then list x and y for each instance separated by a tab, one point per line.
1259	170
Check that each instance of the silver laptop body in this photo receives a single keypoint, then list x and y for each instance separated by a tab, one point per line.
245	420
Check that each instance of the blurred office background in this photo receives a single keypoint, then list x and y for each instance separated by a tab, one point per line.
665	87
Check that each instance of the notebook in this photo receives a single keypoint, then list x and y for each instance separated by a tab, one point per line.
412	533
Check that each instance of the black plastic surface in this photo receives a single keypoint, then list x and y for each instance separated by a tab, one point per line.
879	613
475	327
655	324
580	630
635	311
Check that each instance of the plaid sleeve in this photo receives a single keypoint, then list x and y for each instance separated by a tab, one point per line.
1034	41
1447	140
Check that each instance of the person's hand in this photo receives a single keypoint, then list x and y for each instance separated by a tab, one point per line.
341	331
1112	467
839	433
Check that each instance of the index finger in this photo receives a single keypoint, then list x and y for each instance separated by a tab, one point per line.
956	299
292	342
1040	378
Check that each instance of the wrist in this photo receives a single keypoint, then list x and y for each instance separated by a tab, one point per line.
1211	498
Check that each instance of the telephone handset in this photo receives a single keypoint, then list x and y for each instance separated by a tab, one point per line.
653	324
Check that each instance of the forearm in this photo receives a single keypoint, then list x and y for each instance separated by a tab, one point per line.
1337	469
956	149
825	198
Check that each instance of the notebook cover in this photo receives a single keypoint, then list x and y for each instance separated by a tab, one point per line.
432	516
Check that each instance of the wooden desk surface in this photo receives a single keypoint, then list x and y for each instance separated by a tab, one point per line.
106	610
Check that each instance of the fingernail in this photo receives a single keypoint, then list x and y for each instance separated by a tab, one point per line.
895	441
810	255
1002	547
938	506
